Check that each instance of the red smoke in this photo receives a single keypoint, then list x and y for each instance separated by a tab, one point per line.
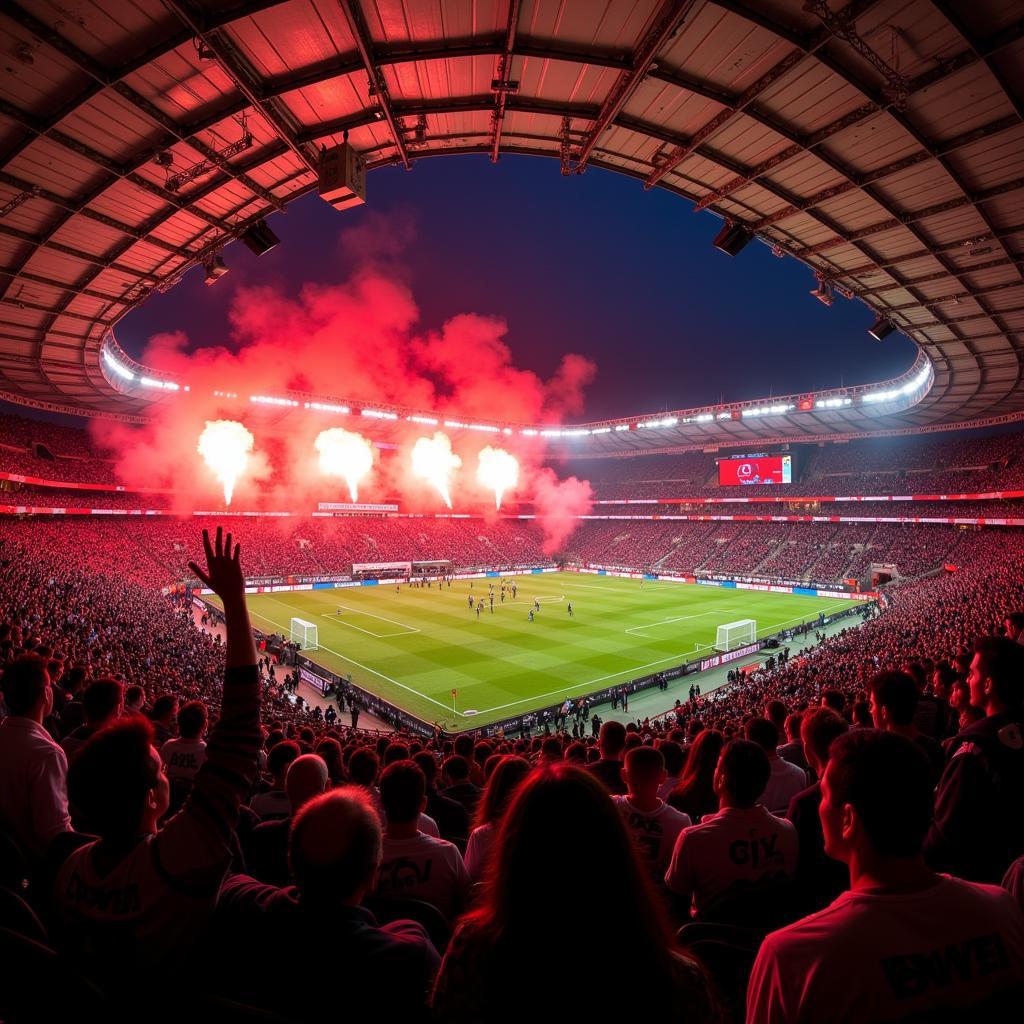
358	341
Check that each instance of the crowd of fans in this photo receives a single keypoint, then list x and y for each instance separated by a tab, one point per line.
828	835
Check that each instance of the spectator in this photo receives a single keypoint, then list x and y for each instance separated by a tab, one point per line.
33	768
612	741
456	774
413	863
1014	626
163	715
101	704
793	749
695	795
785	780
978	828
274	802
654	824
561	835
894	701
451	817
184	756
740	846
139	895
505	778
675	761
135	700
819	878
266	847
334	852
872	954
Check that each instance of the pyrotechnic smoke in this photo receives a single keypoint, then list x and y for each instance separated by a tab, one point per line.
345	454
434	461
557	504
225	446
497	470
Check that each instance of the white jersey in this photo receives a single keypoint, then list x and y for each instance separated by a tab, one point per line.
183	758
735	847
478	849
427	869
655	831
877	957
785	781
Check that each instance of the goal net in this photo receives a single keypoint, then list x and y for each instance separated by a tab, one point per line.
304	634
736	634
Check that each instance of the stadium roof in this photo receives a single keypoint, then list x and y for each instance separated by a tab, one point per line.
882	144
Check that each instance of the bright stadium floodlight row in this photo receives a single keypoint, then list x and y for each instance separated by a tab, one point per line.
126	375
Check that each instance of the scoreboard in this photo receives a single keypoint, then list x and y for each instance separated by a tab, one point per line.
755	469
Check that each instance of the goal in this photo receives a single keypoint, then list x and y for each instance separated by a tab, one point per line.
736	634
304	634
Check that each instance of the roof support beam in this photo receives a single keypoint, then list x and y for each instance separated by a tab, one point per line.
666	23
361	34
501	78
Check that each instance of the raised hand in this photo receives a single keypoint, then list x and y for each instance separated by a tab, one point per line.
223	572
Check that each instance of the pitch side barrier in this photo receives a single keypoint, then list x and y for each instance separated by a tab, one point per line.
325	681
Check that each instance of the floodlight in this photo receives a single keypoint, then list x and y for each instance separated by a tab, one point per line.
881	328
732	238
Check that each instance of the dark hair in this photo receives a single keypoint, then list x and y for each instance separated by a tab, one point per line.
163	706
612	738
192	720
281	755
427	765
551	748
110	777
456	768
645	760
745	770
897	693
506	777
888	781
24	682
562	833
818	728
395	752
463	745
101	699
402	788
363	767
330	750
349	844
674	757
775	711
133	693
764	733
1002	661
834	699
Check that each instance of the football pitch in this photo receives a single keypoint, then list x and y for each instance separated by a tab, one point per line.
414	647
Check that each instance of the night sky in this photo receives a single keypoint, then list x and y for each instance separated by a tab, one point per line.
591	264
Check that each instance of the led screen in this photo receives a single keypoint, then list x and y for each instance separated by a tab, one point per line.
764	469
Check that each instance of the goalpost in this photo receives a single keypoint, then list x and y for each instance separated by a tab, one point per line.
736	634
304	634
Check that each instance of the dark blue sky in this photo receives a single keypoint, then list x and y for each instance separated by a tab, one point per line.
589	263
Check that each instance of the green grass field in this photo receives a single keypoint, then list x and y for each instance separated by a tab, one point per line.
414	647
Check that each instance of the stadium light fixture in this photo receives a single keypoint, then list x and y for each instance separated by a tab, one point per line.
258	238
378	415
216	268
121	371
881	328
732	238
823	293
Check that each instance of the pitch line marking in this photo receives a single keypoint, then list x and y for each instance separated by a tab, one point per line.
406	629
665	622
352	661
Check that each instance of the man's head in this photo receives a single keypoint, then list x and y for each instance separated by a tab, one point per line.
455	770
819	727
363	766
644	771
742	773
403	792
876	797
134	700
612	740
281	755
192	720
1014	624
102	702
26	687
116	784
334	847
306	778
793	721
675	758
764	733
165	707
894	698
996	678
